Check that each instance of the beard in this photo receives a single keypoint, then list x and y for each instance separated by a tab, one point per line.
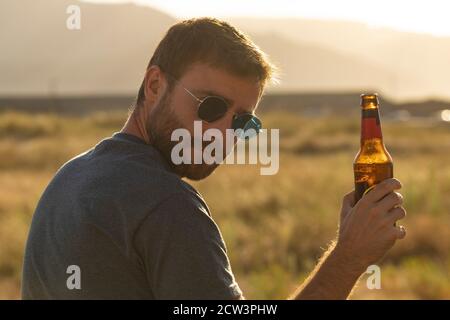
161	123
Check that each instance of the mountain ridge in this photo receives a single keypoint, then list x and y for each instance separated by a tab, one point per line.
108	56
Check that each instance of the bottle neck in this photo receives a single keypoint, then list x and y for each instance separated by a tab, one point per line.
370	125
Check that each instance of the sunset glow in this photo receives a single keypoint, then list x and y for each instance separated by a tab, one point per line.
419	16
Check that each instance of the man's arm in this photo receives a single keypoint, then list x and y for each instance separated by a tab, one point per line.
332	278
367	230
183	254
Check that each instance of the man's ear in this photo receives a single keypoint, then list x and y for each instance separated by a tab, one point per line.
154	84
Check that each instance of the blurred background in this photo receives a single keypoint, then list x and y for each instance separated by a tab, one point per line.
62	90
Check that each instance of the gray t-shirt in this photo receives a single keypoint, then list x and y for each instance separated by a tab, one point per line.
116	223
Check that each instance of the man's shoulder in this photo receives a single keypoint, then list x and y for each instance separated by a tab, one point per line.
118	178
178	218
121	167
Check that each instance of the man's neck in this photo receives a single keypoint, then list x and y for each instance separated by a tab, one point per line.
135	125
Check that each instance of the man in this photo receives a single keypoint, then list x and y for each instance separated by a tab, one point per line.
118	222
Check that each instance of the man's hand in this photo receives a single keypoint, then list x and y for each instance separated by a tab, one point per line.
366	232
368	229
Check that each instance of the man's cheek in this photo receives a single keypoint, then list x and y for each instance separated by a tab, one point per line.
186	115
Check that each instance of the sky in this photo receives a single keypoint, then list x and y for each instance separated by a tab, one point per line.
421	16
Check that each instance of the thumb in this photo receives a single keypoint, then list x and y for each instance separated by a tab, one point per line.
347	204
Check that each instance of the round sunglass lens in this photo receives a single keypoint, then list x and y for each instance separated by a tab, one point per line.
212	108
246	125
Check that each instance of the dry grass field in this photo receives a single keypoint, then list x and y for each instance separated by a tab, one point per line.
275	226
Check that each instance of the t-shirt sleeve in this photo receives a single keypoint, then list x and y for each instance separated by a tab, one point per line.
183	252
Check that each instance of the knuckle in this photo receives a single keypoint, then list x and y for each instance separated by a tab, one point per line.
396	184
398	214
399	233
402	212
403	232
386	186
397	198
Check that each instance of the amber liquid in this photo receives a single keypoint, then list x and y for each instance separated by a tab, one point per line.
373	162
368	175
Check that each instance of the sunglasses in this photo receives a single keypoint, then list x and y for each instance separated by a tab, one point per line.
212	108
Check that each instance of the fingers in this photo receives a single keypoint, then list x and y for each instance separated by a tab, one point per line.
382	189
388	202
395	214
399	232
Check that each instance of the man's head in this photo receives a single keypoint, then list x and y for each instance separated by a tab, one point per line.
207	57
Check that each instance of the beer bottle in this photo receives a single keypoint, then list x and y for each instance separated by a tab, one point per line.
373	163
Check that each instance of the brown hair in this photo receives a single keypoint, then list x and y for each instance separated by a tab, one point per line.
211	41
